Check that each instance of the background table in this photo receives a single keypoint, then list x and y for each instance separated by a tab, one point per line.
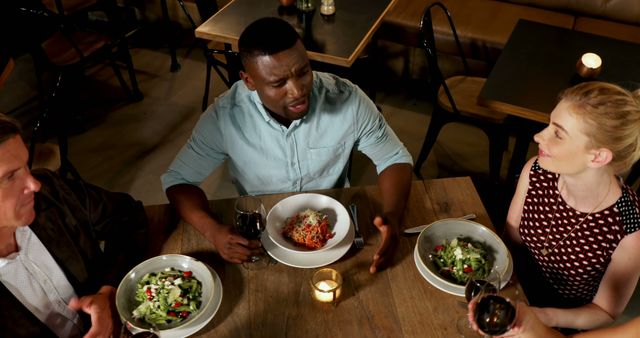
537	63
338	39
276	301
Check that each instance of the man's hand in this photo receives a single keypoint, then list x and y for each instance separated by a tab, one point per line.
231	246
388	244
101	308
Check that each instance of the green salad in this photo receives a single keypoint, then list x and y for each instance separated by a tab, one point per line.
459	260
167	297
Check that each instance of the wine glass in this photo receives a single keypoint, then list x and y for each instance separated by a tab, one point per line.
477	287
494	314
250	216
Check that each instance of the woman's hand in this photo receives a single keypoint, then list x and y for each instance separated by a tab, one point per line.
526	324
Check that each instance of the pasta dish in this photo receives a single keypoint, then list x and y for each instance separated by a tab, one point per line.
310	229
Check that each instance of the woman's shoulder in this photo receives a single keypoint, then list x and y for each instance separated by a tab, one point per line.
628	206
537	172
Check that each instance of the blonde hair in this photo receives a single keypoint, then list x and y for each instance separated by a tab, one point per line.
612	119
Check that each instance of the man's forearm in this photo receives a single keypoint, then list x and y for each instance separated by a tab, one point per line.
395	186
192	205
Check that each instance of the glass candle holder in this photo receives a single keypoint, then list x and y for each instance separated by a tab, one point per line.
326	285
589	65
327	7
305	5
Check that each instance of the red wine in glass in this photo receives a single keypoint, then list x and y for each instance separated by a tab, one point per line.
250	225
494	315
474	286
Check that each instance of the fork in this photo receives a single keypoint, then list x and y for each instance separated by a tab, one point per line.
358	240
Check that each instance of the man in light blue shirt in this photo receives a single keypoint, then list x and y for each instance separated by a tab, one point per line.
285	128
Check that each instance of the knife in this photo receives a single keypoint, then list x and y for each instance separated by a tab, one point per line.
419	228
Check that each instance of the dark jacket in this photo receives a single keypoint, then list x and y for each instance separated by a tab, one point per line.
72	219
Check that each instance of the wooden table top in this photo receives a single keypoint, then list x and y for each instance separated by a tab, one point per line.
338	39
539	61
276	301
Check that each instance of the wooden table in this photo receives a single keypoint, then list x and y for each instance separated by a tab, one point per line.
537	63
276	302
337	40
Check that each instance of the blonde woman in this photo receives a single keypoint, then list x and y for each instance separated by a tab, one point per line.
572	215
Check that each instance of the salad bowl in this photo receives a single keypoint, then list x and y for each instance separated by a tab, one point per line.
211	296
446	230
337	214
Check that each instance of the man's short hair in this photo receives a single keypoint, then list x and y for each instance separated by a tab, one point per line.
266	36
8	128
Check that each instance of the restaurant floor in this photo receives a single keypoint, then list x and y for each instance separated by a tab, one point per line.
126	146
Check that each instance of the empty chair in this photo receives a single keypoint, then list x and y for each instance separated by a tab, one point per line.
68	51
223	61
456	100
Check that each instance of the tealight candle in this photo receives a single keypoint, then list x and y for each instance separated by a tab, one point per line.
327	7
589	65
326	285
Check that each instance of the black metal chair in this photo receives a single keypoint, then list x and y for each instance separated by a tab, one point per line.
456	100
223	61
70	50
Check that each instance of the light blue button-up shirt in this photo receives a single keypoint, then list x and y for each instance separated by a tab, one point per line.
267	157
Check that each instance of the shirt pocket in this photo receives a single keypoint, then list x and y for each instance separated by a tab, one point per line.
327	160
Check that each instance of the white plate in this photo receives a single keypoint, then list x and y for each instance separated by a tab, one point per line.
211	295
336	213
309	260
446	287
206	316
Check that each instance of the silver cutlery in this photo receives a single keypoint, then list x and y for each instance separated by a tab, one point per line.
358	240
418	229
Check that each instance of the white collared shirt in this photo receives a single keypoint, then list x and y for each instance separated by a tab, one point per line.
37	281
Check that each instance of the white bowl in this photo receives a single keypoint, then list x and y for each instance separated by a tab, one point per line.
338	219
211	295
448	229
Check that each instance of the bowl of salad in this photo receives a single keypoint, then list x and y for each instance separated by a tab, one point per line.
170	295
307	223
454	250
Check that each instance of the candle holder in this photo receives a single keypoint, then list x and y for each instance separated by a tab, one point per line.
326	286
305	5
327	7
589	65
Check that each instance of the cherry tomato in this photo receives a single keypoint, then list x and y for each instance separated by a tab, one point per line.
467	269
439	247
171	313
187	274
184	314
177	304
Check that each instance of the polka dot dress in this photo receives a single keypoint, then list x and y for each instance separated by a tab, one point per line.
578	253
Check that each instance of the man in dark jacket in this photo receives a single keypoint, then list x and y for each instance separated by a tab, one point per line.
64	246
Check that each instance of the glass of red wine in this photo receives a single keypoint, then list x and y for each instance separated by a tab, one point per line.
250	223
477	287
494	314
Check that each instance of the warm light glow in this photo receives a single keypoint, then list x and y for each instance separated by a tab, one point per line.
325	289
591	60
